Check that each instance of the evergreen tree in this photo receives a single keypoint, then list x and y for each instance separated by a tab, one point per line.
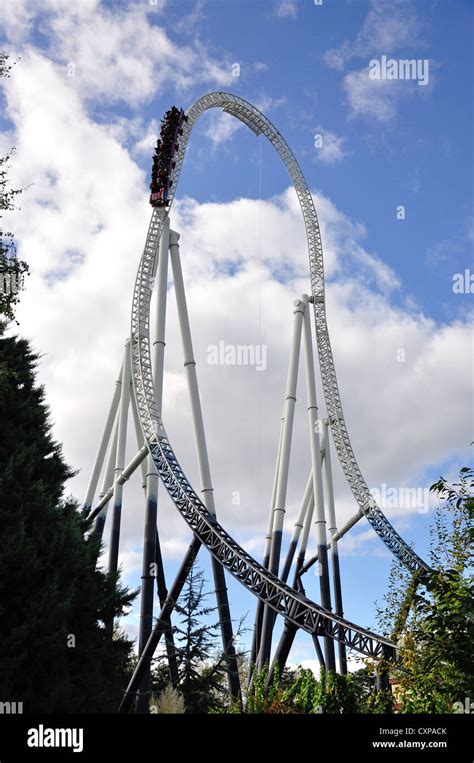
55	655
201	665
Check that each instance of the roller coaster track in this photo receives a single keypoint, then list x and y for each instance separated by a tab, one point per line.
294	607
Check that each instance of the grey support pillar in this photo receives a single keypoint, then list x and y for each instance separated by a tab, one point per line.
203	464
336	574
151	509
314	431
282	483
103	445
257	629
99	521
120	463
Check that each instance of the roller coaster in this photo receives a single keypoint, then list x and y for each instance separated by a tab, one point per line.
139	386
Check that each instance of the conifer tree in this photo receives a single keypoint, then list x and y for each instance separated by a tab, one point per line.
201	664
55	655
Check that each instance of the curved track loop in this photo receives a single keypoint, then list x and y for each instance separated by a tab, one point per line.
296	608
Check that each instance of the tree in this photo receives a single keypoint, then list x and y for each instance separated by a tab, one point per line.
298	691
55	655
12	269
433	625
201	665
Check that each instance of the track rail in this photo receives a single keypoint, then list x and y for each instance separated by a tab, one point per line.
294	607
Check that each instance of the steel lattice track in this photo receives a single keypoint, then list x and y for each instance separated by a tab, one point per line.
283	599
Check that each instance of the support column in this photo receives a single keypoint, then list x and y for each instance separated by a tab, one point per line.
124	476
289	631
160	626
151	510
162	596
120	463
336	574
99	461
299	525
138	433
301	522
282	485
203	464
257	629
317	481
99	521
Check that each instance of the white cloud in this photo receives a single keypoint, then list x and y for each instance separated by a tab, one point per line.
331	149
147	141
456	250
114	54
390	26
354	663
381	99
20	18
221	127
376	99
286	9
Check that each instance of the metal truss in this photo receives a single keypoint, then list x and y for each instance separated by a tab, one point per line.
283	599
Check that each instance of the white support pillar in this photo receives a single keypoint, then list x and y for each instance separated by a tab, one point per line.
150	541
120	462
348	526
336	573
158	347
337	536
203	463
123	477
300	523
257	628
282	481
284	461
107	481
314	430
306	530
138	433
268	536
191	377
99	461
328	483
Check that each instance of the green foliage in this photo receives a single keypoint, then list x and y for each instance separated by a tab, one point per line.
367	699
264	697
332	693
305	693
55	656
300	692
434	624
201	665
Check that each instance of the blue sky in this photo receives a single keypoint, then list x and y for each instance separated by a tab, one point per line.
421	158
83	106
